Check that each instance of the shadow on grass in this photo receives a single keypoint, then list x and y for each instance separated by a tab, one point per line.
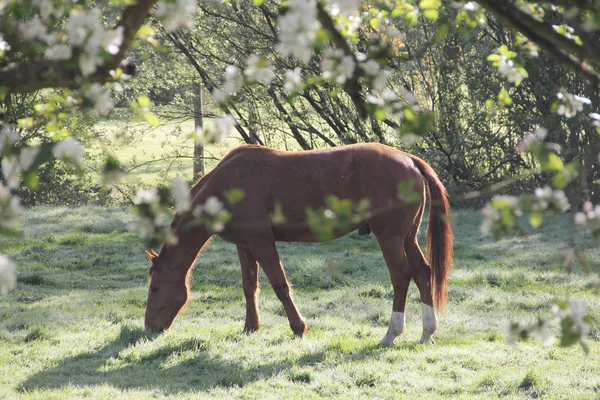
154	371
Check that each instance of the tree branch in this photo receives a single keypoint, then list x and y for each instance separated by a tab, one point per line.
29	76
563	49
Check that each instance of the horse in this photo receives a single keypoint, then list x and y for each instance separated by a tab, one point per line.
296	181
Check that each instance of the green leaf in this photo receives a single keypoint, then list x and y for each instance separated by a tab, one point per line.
551	162
277	216
494	57
152	119
374	22
145	32
432	14
426	4
441	33
257	3
504	98
380	114
51	126
234	196
144	101
536	218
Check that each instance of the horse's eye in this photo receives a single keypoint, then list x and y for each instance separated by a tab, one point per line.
153	289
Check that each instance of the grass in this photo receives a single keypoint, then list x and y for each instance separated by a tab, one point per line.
74	326
156	155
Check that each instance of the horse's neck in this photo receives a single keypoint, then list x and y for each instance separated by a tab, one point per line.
183	253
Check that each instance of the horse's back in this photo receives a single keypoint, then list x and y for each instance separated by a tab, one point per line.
295	181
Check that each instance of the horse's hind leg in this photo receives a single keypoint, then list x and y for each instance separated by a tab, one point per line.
422	276
265	252
400	274
250	284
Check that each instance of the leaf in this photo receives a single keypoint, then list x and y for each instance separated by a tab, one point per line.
432	14
426	4
144	101
536	218
504	98
234	196
441	33
380	114
374	22
551	162
152	119
258	3
145	32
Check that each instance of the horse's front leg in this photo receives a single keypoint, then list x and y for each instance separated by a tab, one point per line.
250	284
265	251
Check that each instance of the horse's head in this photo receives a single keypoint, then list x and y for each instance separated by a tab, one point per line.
167	295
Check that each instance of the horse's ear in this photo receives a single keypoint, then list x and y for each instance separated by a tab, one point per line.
151	255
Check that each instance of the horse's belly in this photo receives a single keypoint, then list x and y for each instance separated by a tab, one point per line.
304	234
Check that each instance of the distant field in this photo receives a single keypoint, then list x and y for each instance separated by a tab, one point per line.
156	155
74	326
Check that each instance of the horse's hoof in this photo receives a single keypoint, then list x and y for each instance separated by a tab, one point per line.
388	339
427	339
250	329
300	331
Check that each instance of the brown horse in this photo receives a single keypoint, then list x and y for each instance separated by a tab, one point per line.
301	180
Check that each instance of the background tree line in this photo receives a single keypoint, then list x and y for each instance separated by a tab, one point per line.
471	144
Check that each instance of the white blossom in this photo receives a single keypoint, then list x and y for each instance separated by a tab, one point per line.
471	6
70	150
570	105
146	196
212	206
338	66
223	126
506	68
293	78
10	209
181	192
230	86
8	276
11	170
8	136
34	29
86	29
297	29
343	7
100	96
47	7
175	15
259	70
4	46
489	216
27	156
538	135
60	51
580	218
548	198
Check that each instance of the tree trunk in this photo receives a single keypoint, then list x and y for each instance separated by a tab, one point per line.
198	126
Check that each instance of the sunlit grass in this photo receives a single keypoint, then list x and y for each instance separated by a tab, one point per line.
74	326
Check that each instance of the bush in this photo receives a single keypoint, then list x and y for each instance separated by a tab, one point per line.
61	184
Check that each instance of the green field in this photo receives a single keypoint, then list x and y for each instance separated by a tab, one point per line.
73	328
153	155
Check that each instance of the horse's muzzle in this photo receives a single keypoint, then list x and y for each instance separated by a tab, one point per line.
155	329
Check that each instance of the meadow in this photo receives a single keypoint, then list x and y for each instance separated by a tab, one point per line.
73	328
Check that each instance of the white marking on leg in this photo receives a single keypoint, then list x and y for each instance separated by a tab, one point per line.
395	328
429	322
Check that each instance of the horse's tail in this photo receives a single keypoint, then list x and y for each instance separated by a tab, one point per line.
439	233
